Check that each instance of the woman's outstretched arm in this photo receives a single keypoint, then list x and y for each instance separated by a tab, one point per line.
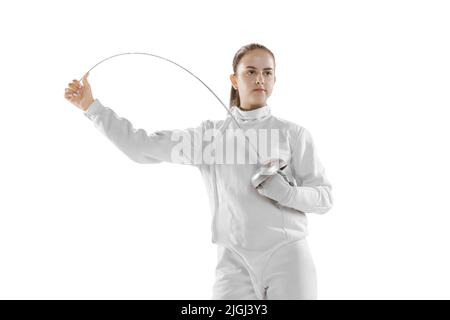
176	146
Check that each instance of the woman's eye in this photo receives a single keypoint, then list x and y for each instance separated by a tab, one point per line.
268	72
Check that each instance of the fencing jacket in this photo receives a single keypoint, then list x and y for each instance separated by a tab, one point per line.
242	218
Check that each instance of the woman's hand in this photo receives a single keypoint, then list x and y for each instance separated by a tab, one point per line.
80	95
277	187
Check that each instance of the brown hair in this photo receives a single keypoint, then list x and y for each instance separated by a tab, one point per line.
234	94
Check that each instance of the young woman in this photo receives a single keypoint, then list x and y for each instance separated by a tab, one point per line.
260	232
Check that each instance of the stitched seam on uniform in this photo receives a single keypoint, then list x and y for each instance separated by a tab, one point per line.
250	271
283	245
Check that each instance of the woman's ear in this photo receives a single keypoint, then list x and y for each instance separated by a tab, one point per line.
233	81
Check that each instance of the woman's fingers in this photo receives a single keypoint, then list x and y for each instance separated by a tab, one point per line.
70	94
76	93
72	91
69	97
75	83
75	87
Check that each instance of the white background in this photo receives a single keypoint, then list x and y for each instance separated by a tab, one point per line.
369	79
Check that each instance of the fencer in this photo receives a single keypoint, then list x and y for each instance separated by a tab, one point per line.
260	231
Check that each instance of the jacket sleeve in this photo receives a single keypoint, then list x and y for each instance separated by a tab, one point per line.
313	193
176	146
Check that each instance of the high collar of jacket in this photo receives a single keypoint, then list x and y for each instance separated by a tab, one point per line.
246	116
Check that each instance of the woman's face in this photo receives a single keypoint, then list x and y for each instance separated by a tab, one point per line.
255	70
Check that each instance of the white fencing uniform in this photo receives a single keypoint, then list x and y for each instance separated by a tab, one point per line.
260	233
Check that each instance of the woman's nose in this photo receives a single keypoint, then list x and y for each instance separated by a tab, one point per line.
259	79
